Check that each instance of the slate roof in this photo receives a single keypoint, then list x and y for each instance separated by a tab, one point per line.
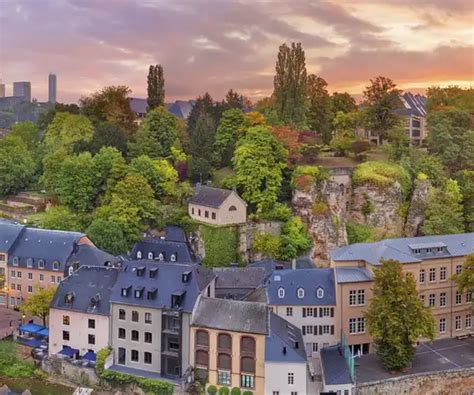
9	232
45	244
181	108
175	233
209	196
308	279
335	369
231	315
138	105
399	249
86	254
257	295
85	284
280	343
168	281
412	105
352	275
157	246
240	277
270	265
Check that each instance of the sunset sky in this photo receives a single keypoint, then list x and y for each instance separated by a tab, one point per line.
214	45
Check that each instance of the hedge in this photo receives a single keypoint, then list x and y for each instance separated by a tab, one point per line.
305	176
221	245
153	386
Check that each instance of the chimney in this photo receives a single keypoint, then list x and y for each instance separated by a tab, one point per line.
284	350
198	186
293	264
297	345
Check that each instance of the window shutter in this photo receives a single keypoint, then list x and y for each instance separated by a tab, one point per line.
315	331
320	329
304	329
304	312
332	329
320	311
332	311
315	312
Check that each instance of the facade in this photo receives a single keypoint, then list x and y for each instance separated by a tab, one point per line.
162	250
79	313
151	307
217	206
2	90
432	260
52	88
238	282
22	89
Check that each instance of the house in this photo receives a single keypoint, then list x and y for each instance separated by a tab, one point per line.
9	232
80	310
217	206
432	260
151	306
162	250
180	108
237	282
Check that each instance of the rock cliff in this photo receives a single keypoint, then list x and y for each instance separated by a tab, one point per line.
416	212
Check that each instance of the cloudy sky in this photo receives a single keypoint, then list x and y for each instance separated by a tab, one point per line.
215	45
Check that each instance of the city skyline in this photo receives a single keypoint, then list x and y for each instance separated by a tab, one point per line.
213	46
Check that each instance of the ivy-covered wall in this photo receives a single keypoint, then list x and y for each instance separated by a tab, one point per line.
221	244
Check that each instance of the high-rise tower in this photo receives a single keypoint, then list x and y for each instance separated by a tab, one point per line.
52	88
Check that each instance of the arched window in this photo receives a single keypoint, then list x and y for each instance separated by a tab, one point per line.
300	293
161	257
139	255
71	270
281	293
202	349
41	264
224	342
150	255
247	345
29	262
232	208
202	338
16	260
320	293
55	265
173	257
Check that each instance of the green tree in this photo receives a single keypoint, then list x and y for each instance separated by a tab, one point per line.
267	244
155	87
46	118
266	107
399	143
109	168
38	303
68	131
290	85
381	98
28	132
421	162
202	148
259	160
465	179
61	218
294	239
441	99
108	134
52	164
465	280
444	212
229	130
342	102
204	106
396	317
16	165
319	111
234	100
108	235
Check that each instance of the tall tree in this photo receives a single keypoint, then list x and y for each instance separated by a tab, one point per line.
38	303
396	317
204	105
381	98
343	102
155	87
229	130
319	108
108	134
28	132
290	85
465	180
108	235
465	280
234	100
202	148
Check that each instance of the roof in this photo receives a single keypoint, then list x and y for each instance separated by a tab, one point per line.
175	233
403	249
9	232
209	196
309	280
257	295
138	105
352	275
270	265
91	287
168	281
44	244
167	249
239	277
86	254
335	369
284	343
412	105
231	315
181	108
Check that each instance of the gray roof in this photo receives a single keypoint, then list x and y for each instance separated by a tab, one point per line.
240	277
45	244
352	275
412	105
9	232
399	249
209	196
86	254
175	233
181	108
284	343
310	280
88	284
168	281
165	247
335	369
257	295
231	315
137	105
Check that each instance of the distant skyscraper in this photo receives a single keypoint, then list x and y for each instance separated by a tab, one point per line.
52	88
23	89
2	90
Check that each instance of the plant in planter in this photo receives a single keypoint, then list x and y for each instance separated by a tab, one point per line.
224	391
212	390
235	391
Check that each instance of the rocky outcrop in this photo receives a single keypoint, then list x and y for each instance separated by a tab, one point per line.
247	233
416	212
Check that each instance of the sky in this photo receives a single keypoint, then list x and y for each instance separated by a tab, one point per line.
215	45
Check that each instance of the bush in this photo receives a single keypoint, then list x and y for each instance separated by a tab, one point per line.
221	245
10	364
305	176
358	233
224	391
247	393
212	390
319	208
279	212
235	391
295	240
267	244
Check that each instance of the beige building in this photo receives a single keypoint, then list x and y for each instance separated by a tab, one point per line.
432	260
217	206
9	232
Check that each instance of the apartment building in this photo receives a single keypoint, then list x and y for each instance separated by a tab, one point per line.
9	232
432	260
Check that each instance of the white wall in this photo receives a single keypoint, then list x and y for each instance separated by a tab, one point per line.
276	378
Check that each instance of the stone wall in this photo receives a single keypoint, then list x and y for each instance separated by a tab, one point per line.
460	381
80	375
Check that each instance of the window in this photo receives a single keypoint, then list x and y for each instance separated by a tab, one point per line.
192	210
442	274
71	270
224	342
66	320
442	325
422	276
2	257
281	293
300	293
361	297
135	316
58	279
325	312
352	297
213	215
30	276
16	261
55	265
320	293
223	377
307	312
13	286
247	381
173	258
139	255
65	335
91	339
458	269
30	289
148	337
135	335
18	287
147	358
361	325
289	311
13	274
91	323
458	297
199	212
147	318
29	262
41	277
442	299
457	322
307	329
431	300
468	321
294	393
134	356
432	274
352	325
232	208
53	279
202	358
41	264
121	314
18	274
121	356
291	378
315	347
202	338
325	329
121	333
150	255
468	296
206	214
276	393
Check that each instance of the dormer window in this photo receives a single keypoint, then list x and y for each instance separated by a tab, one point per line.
41	264
153	272
139	255
281	293
277	278
138	292
150	255
320	293
69	298
300	293
151	294
173	257
161	256
55	265
177	298
140	271
71	270
29	262
186	276
16	261
125	291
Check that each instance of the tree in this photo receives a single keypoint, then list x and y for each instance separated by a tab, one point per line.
267	244
396	317
319	111
155	87
465	280
399	143
61	218
290	85
421	162
16	165
109	168
266	107
258	161
38	303
204	105
465	179
381	98
202	148
289	137
234	100
108	134
441	99
28	132
342	102
294	239
229	130
108	235
46	118
444	212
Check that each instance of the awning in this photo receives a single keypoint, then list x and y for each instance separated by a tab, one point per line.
33	343
31	328
43	332
90	356
68	351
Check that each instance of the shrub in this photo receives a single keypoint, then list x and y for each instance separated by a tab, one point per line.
279	212
235	391
224	391
319	208
305	176
10	364
367	208
247	393
267	244
358	233
295	240
421	176
212	390
221	244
